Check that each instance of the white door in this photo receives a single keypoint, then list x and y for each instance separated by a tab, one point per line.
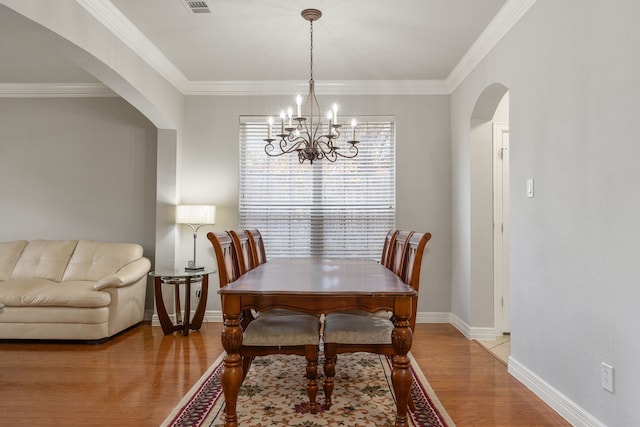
501	226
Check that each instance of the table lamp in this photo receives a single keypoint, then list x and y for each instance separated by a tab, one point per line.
195	216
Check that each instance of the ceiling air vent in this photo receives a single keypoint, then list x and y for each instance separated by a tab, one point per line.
196	6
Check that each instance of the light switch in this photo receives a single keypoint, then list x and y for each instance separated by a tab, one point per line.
530	187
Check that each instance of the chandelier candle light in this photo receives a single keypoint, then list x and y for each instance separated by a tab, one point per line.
305	133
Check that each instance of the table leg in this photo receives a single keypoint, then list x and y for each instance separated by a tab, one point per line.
187	306
163	316
176	299
198	317
401	377
232	372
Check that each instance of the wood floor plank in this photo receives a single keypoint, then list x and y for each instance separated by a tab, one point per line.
137	377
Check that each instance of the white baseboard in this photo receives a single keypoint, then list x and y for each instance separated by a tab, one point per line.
472	333
560	403
209	316
433	317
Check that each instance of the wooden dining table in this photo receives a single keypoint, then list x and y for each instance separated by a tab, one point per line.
317	285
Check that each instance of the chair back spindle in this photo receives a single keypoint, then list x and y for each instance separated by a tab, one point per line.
224	250
386	248
411	267
242	247
257	247
398	250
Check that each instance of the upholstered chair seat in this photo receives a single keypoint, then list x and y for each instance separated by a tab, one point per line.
357	329
282	331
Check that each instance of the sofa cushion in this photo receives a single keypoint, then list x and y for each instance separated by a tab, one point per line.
96	260
46	316
44	259
9	254
66	294
11	292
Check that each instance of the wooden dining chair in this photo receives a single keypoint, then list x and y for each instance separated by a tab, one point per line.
242	246
388	242
350	333
297	334
258	251
398	250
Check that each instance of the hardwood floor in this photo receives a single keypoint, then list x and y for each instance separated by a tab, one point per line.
136	378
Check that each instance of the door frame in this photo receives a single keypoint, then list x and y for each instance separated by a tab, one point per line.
501	228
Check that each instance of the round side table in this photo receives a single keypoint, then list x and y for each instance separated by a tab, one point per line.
178	278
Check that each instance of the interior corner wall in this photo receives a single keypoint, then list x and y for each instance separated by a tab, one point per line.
77	168
481	205
573	248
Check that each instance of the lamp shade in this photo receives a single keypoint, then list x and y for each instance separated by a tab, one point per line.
195	214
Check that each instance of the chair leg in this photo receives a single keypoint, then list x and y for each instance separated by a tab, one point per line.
329	372
410	403
246	364
311	354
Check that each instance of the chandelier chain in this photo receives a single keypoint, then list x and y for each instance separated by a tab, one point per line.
311	50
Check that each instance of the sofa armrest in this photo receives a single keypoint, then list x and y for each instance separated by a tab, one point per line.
127	275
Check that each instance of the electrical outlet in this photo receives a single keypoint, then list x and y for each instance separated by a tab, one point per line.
607	377
198	290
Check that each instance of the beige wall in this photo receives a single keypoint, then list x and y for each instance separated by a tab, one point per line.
86	168
208	164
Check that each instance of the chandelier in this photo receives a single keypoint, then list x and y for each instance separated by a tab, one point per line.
305	133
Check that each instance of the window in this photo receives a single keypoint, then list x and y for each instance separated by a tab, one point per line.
341	209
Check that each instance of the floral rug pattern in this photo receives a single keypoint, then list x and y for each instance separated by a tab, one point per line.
274	394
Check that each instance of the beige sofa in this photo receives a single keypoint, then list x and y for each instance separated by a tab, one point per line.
70	289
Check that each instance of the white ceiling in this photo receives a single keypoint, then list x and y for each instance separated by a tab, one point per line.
268	40
353	40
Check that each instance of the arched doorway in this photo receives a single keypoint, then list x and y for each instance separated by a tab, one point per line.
489	131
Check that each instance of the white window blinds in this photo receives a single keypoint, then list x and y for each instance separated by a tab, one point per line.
341	209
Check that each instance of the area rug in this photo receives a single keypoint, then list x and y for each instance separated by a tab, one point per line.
274	394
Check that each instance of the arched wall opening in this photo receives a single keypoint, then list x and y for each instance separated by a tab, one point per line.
109	60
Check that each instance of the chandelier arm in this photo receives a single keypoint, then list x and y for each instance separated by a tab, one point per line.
351	152
328	149
293	143
284	147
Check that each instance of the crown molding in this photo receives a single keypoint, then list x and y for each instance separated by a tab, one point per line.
116	22
131	36
55	90
504	20
331	87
